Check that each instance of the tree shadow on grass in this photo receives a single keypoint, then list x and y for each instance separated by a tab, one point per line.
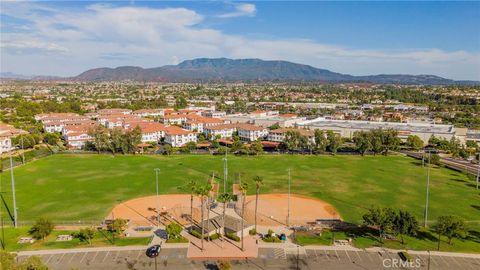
426	235
473	236
475	207
10	215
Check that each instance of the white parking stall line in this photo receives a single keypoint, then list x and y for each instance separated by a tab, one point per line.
368	256
84	255
338	257
358	255
467	262
139	253
46	262
350	259
116	256
61	257
326	255
74	254
94	257
108	252
441	257
453	258
423	261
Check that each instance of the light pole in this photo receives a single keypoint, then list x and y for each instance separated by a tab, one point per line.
288	206
428	190
478	169
13	193
225	172
157	170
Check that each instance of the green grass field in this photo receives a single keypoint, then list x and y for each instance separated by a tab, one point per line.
85	187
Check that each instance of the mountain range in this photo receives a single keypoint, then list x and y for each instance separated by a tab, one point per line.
248	70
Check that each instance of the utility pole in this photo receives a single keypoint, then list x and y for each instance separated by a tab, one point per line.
157	170
13	194
428	190
288	211
225	172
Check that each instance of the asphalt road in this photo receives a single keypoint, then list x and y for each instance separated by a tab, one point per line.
269	258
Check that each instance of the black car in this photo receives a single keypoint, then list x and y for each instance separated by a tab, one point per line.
153	251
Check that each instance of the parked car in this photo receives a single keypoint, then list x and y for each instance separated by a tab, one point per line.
153	251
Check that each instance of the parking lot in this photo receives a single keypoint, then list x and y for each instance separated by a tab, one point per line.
114	259
268	258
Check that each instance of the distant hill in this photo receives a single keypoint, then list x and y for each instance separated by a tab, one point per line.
248	70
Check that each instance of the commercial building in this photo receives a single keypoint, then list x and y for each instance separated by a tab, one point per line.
346	128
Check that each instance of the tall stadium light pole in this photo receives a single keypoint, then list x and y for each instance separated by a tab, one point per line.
288	207
157	170
478	169
13	194
225	172
1	208
23	152
428	189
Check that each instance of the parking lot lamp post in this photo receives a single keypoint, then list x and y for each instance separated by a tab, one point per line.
157	170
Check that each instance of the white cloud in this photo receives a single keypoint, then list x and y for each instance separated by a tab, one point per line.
102	35
241	10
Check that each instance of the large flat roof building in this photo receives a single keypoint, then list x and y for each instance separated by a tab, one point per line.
346	128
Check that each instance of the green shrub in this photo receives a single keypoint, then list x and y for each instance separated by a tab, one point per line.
252	231
214	236
180	239
233	237
272	239
196	234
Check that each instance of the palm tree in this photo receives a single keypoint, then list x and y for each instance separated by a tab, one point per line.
208	188
192	185
202	191
224	198
258	183
243	188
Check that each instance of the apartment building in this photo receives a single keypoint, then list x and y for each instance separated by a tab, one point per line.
149	112
250	133
151	131
177	137
278	135
223	131
7	132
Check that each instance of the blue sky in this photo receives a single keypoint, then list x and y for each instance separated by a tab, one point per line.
66	38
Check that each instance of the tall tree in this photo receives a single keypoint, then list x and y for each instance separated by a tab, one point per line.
202	192
376	140
244	189
390	140
334	141
224	198
450	226
320	141
362	141
100	138
405	224
191	187
414	142
258	183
